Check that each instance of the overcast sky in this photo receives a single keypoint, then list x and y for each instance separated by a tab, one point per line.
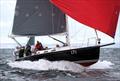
7	8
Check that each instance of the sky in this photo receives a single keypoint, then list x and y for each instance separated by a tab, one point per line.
7	8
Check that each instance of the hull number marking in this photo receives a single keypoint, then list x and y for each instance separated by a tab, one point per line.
73	51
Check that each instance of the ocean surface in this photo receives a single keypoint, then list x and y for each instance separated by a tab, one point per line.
106	69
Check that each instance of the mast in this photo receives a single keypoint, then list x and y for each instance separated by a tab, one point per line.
67	32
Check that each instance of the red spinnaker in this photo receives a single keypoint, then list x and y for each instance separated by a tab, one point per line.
98	14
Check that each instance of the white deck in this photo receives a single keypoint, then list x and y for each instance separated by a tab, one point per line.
53	50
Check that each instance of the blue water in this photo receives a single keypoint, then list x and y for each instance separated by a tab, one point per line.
111	73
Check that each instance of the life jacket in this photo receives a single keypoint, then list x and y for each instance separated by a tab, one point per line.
38	47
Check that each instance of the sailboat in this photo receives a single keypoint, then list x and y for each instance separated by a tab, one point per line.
48	17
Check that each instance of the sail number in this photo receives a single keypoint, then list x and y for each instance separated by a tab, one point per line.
73	51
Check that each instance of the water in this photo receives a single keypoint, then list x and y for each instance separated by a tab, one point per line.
107	69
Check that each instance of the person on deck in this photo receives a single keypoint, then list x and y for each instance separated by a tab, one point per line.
21	52
16	52
57	46
28	50
38	46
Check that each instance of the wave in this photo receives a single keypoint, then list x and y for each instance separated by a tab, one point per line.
102	65
58	65
47	65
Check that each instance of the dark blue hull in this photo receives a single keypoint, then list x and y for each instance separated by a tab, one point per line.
84	56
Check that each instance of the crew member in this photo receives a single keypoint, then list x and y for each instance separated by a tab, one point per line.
38	46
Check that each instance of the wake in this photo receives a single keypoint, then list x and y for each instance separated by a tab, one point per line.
58	65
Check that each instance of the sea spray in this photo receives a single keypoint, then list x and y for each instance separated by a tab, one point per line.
58	65
102	65
47	65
